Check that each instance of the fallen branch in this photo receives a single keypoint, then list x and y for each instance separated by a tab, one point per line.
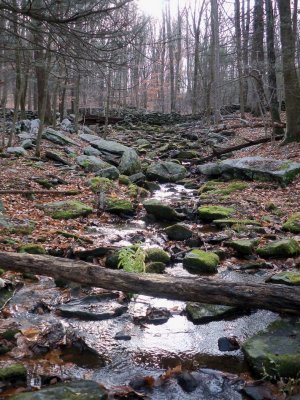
278	298
52	192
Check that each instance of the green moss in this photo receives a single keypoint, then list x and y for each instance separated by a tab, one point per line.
16	226
292	224
198	261
124	180
234	221
15	371
32	248
1	271
243	246
210	213
67	209
119	206
155	254
98	183
178	232
279	248
286	278
215	188
155	267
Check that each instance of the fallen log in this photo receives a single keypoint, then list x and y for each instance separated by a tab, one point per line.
33	191
249	143
278	298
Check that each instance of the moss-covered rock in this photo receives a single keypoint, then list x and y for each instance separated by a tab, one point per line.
221	189
203	313
100	183
243	247
286	278
16	226
67	209
13	372
292	224
161	211
275	352
32	248
199	261
119	206
155	267
156	254
236	222
279	248
124	180
178	232
210	213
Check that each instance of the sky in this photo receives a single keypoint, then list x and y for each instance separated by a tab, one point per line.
154	7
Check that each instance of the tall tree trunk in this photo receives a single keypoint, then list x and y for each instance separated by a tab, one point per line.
171	60
291	83
238	35
215	61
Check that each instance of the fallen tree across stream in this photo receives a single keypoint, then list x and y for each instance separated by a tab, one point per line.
278	298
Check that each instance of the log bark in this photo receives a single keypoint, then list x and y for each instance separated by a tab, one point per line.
278	298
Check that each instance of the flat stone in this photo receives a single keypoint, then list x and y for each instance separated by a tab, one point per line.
166	171
201	313
18	151
279	248
58	137
161	211
210	213
286	278
66	209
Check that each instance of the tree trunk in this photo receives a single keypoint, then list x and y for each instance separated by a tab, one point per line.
291	83
278	298
239	56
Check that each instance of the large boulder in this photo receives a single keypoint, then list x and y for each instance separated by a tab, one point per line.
279	249
199	261
67	209
253	168
210	213
58	137
178	232
161	211
166	171
91	163
18	151
275	352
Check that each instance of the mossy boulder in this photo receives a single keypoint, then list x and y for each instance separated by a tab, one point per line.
67	209
110	172
32	248
199	261
156	254
243	247
275	352
178	232
91	163
124	180
201	313
77	390
155	267
13	372
292	224
279	249
116	205
286	278
235	222
16	226
210	213
100	183
187	154
161	211
221	189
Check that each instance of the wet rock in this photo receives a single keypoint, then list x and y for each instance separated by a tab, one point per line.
155	267
199	261
95	308
122	336
275	352
155	316
67	209
260	391
91	163
286	278
32	248
187	381
279	248
292	224
14	225
254	168
109	173
79	390
156	254
119	206
161	211
166	171
17	151
228	343
178	232
243	247
201	313
58	138
210	213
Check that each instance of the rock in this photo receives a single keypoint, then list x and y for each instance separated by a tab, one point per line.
187	155
178	232
18	151
155	267
119	206
91	163
109	172
201	313
275	352
66	125
124	180
56	156
228	344
32	248
129	163
67	209
166	171
34	126
91	151
14	225
27	144
58	137
79	390
292	224
221	189
199	261
254	168
210	213
187	381
122	336
137	178
235	221
161	211
286	278
15	372
243	247
279	248
143	142
156	254
98	184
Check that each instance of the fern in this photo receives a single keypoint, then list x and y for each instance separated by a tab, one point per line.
132	259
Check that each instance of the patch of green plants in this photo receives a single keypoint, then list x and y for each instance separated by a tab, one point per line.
132	259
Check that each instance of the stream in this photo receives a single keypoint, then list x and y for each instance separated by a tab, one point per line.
121	346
